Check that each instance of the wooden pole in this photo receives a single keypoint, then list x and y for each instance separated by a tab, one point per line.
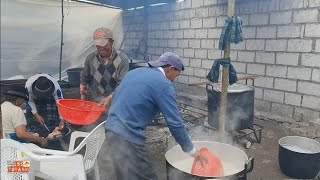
225	79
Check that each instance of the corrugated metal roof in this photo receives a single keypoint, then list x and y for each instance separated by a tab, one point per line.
126	4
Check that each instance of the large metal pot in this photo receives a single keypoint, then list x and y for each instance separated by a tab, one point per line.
133	64
235	162
137	65
299	157
240	106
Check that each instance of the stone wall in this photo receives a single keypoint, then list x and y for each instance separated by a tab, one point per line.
282	45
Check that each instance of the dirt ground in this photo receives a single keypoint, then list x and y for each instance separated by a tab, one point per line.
265	154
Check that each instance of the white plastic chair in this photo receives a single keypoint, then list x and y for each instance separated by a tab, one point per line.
93	142
40	166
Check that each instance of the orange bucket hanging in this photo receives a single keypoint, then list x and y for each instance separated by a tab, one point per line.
212	168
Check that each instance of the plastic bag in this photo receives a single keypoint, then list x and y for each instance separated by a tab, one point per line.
212	168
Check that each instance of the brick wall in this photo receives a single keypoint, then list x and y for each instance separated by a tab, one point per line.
282	45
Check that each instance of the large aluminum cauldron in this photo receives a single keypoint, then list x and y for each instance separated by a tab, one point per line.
235	162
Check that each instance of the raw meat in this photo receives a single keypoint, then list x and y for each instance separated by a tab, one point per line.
54	133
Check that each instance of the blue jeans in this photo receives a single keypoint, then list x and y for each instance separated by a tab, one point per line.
15	137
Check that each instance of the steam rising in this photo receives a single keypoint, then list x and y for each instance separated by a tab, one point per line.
205	133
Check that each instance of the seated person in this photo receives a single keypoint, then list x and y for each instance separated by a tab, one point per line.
42	91
14	122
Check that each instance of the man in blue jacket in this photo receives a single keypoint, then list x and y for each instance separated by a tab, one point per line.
142	93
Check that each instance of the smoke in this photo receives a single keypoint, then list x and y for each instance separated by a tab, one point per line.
236	116
202	133
239	110
64	145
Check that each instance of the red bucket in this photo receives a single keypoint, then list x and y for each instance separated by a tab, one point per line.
79	112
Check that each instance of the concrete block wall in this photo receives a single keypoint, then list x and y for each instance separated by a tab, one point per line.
282	46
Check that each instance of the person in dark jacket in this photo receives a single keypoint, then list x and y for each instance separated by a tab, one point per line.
142	94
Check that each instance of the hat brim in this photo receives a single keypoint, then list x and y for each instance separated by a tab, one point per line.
100	42
156	64
159	64
43	93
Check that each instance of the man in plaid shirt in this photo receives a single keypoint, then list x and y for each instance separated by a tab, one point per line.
42	91
103	69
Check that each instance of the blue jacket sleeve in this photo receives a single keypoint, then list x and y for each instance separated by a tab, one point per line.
167	103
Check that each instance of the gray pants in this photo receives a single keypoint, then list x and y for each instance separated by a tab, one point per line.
122	160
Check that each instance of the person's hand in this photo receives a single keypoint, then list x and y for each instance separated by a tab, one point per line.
34	134
201	157
106	102
83	97
43	142
39	118
61	125
83	91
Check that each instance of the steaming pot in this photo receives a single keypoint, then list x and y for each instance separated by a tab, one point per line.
240	106
235	162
